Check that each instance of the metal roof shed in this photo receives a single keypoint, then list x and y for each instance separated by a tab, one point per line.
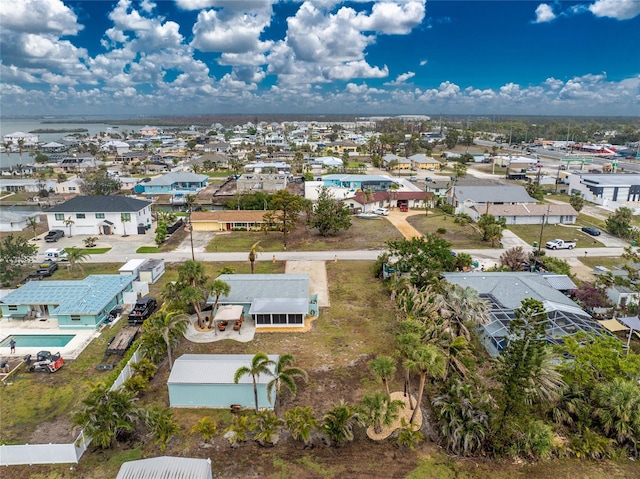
206	380
166	467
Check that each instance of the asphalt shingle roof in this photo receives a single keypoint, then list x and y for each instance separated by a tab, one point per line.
102	204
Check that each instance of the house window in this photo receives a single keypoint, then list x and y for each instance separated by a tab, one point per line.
126	216
295	319
100	216
72	188
75	317
59	217
279	319
80	216
263	319
13	307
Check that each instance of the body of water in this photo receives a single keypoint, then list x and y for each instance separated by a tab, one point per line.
26	125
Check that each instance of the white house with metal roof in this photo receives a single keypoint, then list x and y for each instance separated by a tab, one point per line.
272	300
505	291
97	215
206	380
76	304
470	199
166	467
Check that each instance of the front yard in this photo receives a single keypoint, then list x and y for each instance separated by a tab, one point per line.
461	236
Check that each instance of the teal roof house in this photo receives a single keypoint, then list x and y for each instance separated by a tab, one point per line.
82	304
206	380
178	182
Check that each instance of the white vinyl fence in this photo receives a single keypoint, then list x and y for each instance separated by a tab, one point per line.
28	454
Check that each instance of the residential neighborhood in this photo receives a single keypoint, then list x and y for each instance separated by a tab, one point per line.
269	298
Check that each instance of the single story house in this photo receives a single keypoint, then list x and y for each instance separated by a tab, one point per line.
26	184
505	291
10	221
470	199
267	182
69	187
171	183
227	220
206	380
527	213
420	161
107	215
357	182
621	296
389	199
28	139
76	304
166	467
272	300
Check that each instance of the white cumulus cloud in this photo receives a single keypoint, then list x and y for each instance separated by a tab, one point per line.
544	13
618	9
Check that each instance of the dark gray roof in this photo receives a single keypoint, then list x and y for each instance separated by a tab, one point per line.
102	204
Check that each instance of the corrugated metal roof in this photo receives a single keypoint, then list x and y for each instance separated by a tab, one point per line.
166	467
280	305
246	288
493	194
87	296
213	369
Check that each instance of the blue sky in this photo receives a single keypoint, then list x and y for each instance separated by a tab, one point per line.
319	56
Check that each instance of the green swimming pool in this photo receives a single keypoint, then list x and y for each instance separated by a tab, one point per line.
38	340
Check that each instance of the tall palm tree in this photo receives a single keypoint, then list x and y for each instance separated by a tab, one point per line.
383	368
69	223
284	373
260	364
428	361
218	289
191	286
463	307
32	223
75	257
300	421
125	218
171	326
338	423
253	255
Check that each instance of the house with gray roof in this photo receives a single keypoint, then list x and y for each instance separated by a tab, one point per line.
271	300
75	304
98	215
10	221
207	380
505	291
176	182
475	200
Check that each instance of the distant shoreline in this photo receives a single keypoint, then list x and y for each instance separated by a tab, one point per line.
61	130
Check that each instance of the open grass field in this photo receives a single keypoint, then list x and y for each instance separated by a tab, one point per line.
363	234
460	236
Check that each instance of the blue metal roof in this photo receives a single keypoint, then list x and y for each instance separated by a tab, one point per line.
86	296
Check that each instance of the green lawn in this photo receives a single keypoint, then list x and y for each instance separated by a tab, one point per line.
363	234
95	250
606	261
531	233
460	236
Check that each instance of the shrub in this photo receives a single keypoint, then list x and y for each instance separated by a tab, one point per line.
441	231
135	384
536	441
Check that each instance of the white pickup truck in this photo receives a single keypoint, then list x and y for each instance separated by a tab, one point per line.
560	244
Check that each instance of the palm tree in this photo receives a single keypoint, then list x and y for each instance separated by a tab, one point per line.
75	256
69	223
32	223
300	421
161	425
20	146
378	410
284	374
338	423
191	286
207	427
383	368
265	425
260	364
125	218
409	435
618	411
171	326
253	255
427	360
464	306
219	288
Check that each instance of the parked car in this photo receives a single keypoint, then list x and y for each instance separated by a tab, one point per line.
590	230
143	308
381	211
53	236
47	268
560	244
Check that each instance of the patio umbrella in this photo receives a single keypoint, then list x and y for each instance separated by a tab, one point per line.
634	325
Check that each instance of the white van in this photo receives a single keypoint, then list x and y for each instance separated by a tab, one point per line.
59	254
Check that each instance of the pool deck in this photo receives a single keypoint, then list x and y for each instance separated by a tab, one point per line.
47	326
